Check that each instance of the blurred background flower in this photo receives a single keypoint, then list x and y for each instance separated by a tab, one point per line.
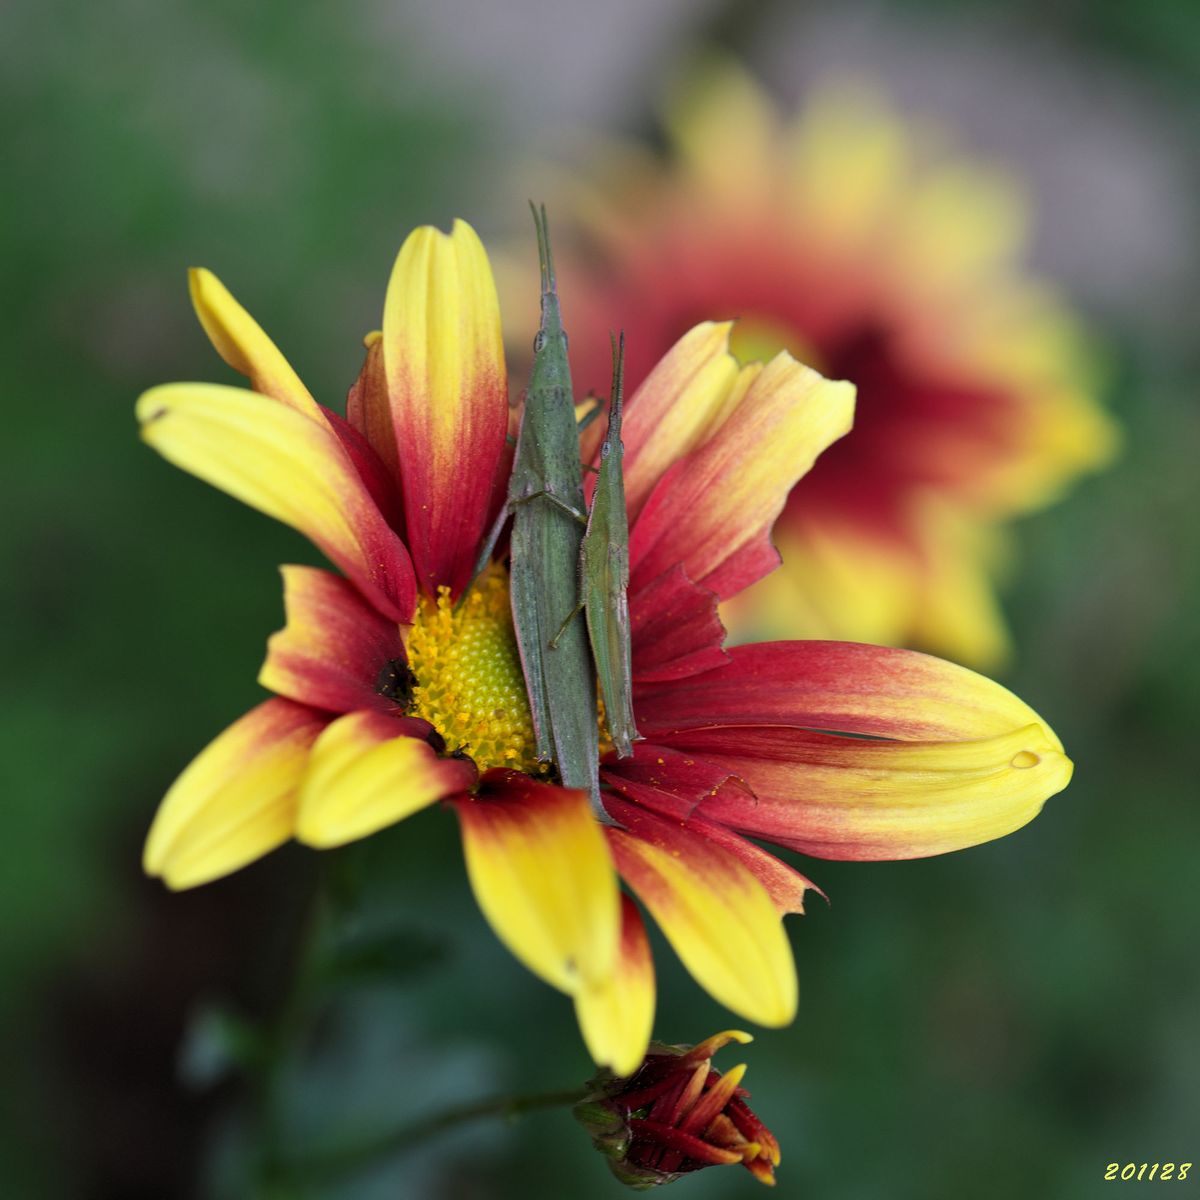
841	235
1014	1041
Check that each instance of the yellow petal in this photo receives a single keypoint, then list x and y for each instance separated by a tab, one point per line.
542	875
240	341
848	160
236	801
715	913
846	687
1019	335
447	389
291	467
958	224
724	129
616	1014
365	773
840	581
958	613
834	583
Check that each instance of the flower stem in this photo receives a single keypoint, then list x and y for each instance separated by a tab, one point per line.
346	1159
281	1034
278	1172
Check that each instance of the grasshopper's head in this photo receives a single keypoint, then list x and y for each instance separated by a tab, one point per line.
612	443
550	335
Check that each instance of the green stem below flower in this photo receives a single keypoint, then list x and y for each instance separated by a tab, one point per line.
282	1034
282	1176
350	1157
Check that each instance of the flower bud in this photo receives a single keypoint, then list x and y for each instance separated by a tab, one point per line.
676	1114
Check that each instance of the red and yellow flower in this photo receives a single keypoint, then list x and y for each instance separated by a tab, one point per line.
397	684
838	236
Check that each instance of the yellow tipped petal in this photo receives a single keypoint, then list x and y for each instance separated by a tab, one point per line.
683	400
851	798
710	1045
714	511
717	916
542	875
240	341
365	774
236	801
710	1104
447	388
616	1014
289	466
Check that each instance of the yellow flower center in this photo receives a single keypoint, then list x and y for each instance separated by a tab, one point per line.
467	671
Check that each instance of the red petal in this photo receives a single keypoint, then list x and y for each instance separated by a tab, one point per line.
841	687
371	469
670	782
684	1143
713	1101
367	407
713	510
752	1129
785	885
675	629
335	647
865	799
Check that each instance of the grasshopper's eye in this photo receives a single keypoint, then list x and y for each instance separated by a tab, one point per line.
539	341
604	449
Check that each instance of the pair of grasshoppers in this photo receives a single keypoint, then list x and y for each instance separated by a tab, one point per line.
566	561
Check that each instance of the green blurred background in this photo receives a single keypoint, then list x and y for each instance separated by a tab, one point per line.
1004	1021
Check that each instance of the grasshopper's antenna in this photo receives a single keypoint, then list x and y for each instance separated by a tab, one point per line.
617	397
545	257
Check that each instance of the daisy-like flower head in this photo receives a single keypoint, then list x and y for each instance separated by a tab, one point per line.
397	684
843	237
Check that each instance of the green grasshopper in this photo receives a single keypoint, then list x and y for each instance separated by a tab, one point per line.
545	499
604	574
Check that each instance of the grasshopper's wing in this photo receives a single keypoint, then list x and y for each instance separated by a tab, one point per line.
527	603
604	567
604	573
